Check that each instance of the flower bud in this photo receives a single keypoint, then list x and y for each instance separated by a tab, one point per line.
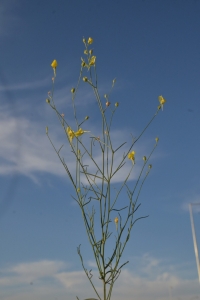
150	166
78	190
144	158
47	130
107	103
47	101
73	90
86	52
156	139
92	60
90	51
54	64
86	118
85	79
83	64
90	40
84	40
117	104
116	223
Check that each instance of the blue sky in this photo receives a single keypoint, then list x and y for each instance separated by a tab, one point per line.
152	48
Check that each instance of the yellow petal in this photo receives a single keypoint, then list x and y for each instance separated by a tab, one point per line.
92	60
70	134
79	132
131	155
90	40
161	100
54	64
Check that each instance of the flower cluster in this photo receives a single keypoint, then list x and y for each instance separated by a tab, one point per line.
98	174
71	134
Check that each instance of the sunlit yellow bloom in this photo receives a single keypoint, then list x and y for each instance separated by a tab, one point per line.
70	134
54	64
92	60
90	40
131	156
162	101
85	52
80	132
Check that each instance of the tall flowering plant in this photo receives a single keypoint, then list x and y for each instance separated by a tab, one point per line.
92	179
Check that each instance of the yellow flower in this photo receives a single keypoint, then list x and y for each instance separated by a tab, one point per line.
80	132
92	60
54	64
90	40
162	101
70	134
131	156
156	139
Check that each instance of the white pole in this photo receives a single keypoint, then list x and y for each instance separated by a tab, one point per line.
194	239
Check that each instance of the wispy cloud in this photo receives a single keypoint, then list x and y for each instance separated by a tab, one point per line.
25	85
26	150
28	272
35	277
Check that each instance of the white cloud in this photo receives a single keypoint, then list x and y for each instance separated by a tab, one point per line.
45	279
28	272
25	149
25	86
